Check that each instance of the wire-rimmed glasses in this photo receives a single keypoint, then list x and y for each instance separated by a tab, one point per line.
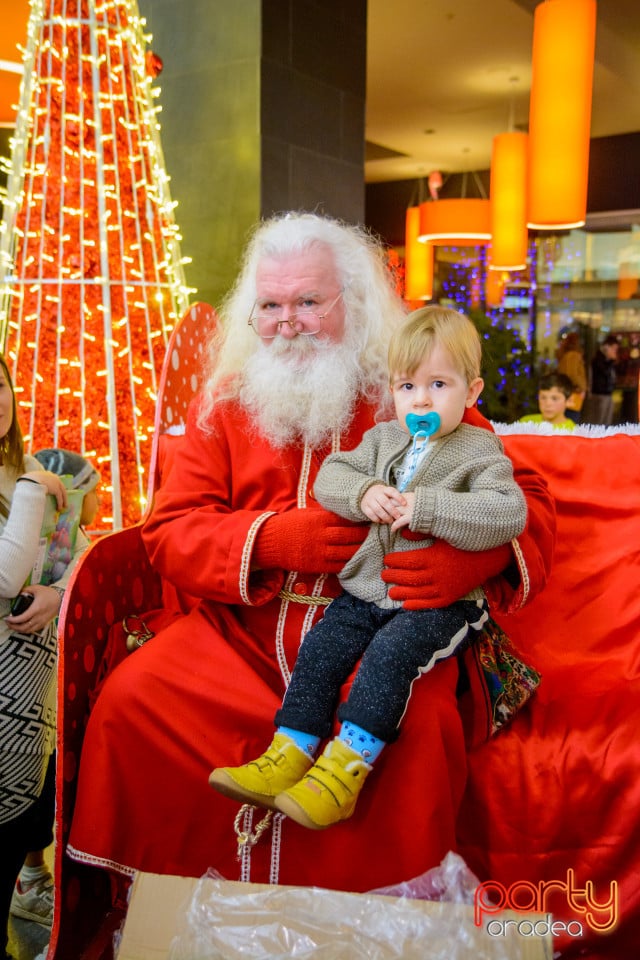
305	323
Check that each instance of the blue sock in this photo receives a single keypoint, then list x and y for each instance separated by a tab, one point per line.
306	741
361	741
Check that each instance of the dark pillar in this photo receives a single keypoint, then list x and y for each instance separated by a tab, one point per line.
263	107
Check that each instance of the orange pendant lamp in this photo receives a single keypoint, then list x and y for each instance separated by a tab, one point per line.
418	277
15	17
508	200
495	283
463	222
564	33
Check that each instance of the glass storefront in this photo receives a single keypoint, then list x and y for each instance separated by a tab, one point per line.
584	281
588	282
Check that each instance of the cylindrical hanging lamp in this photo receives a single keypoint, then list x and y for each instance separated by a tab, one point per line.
494	286
460	222
508	199
628	280
564	34
418	259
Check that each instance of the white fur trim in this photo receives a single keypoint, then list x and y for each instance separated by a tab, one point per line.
590	430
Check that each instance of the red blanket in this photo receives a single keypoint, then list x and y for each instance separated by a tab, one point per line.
556	796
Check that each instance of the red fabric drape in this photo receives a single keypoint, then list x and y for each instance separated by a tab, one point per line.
560	789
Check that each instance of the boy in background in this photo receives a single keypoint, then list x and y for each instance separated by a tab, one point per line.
554	391
85	478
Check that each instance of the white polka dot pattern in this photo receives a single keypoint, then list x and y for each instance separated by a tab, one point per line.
180	378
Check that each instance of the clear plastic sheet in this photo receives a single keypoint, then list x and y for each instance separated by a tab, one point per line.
228	921
450	882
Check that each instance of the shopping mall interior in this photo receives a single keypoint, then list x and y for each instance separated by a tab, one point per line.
348	109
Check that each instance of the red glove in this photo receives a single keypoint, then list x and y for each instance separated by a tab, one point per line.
441	574
310	541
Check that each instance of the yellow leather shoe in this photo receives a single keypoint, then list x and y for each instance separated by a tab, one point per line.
261	780
328	793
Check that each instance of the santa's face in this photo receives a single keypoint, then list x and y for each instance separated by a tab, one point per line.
299	297
302	381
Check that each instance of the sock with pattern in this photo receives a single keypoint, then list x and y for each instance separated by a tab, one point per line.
361	741
306	741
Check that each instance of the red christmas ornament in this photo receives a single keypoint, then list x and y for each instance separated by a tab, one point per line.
153	64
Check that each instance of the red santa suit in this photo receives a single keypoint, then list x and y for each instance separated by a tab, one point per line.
203	692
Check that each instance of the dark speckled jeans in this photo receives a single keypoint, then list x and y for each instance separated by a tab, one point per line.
396	646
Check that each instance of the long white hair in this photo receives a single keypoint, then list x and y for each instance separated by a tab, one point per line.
372	307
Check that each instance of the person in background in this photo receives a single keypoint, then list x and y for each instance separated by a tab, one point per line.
32	897
424	472
603	381
554	391
84	475
27	652
295	370
571	364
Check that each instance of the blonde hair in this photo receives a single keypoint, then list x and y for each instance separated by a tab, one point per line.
372	307
428	327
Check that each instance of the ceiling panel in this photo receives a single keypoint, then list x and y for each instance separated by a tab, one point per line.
445	76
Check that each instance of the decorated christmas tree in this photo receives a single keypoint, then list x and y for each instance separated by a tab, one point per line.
91	278
510	388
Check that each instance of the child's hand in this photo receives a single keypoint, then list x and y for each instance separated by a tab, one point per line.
405	513
382	504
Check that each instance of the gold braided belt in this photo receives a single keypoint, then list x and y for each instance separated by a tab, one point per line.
305	598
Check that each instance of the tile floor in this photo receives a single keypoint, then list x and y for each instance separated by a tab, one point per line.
27	940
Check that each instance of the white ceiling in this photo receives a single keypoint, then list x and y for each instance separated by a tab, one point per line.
445	76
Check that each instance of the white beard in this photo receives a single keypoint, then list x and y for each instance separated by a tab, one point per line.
300	389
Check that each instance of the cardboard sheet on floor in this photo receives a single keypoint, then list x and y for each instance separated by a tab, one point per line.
208	918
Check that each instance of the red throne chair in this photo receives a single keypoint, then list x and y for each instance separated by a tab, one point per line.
113	580
554	798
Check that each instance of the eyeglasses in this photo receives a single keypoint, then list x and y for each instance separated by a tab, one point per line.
303	323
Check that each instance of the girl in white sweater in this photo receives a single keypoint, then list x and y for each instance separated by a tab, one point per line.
27	647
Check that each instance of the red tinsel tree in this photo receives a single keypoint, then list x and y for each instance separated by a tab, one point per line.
92	279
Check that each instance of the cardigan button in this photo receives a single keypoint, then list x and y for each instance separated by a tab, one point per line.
300	588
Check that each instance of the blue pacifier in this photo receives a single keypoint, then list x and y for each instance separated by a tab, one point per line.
425	424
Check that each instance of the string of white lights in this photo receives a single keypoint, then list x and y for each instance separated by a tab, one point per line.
91	274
